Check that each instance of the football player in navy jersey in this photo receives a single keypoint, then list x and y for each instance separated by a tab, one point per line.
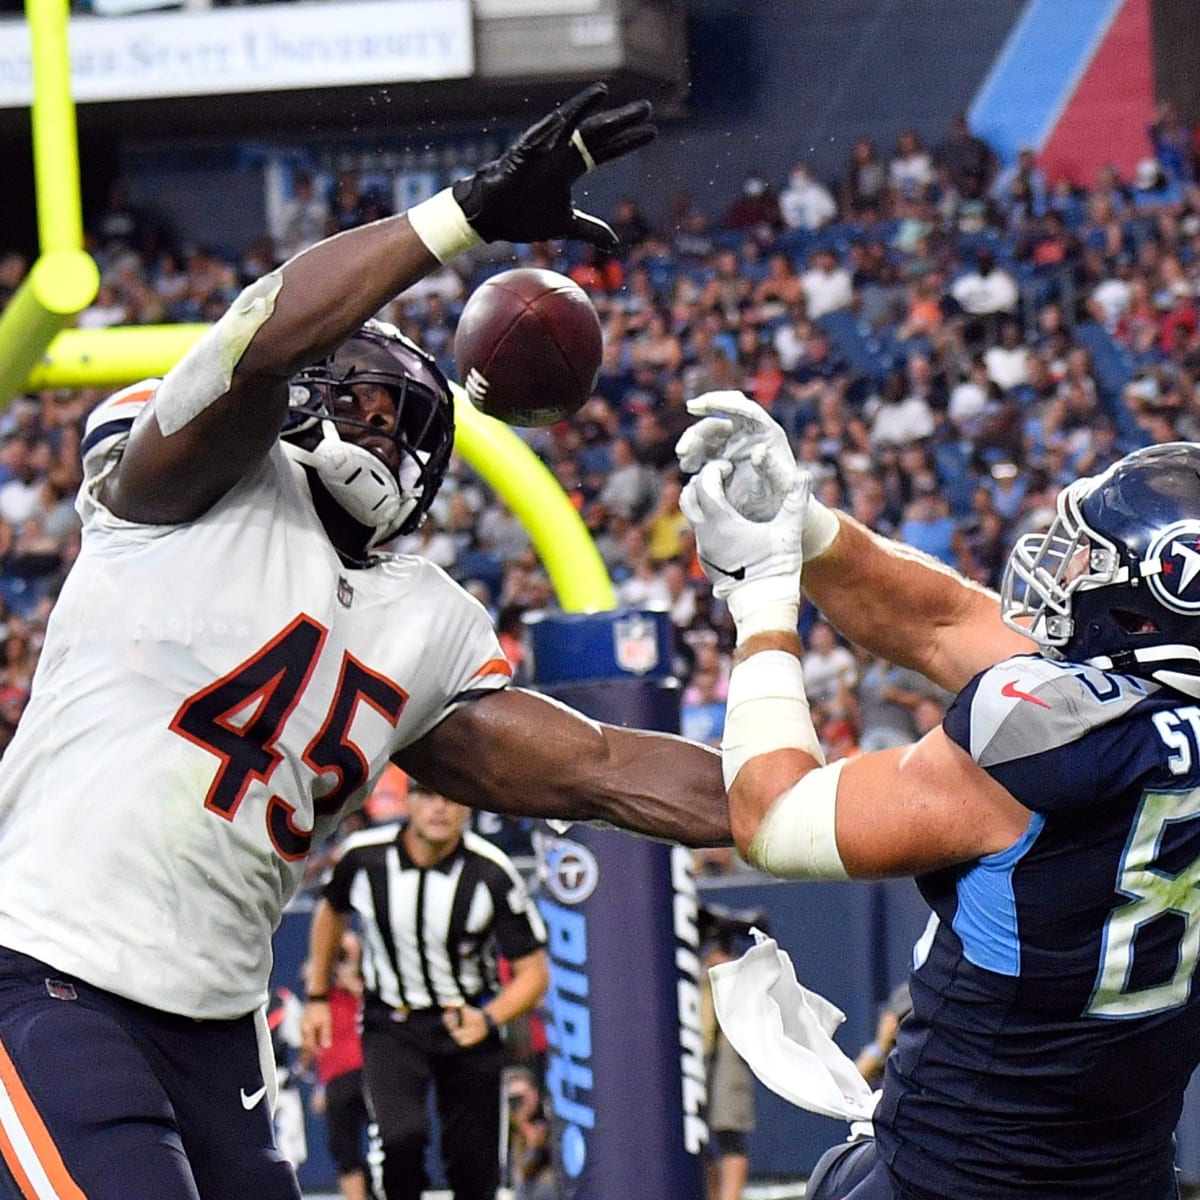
233	661
1052	821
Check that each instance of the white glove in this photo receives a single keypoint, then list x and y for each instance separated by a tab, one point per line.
754	566
735	428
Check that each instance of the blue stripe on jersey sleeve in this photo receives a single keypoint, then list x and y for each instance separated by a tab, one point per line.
986	917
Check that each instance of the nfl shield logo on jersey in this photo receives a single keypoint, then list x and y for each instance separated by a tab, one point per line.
636	644
1172	567
345	593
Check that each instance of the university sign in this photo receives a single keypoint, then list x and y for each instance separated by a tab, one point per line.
262	48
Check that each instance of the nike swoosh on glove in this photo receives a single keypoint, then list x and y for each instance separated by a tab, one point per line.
525	194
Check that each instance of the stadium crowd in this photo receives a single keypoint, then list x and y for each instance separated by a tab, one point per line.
946	340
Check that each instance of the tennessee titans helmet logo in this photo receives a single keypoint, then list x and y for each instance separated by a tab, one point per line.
1173	567
1115	581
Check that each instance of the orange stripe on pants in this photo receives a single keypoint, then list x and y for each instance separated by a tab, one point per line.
65	1188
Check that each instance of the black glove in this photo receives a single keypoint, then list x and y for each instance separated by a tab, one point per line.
525	194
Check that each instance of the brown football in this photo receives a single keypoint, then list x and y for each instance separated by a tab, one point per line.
527	347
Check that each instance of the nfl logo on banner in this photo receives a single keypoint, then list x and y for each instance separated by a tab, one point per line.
636	643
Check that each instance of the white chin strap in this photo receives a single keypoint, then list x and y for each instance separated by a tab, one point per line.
1181	681
360	482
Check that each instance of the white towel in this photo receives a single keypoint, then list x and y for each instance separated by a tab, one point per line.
784	1032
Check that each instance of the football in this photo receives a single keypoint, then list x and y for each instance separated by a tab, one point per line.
527	347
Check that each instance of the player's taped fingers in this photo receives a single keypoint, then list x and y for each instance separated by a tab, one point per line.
592	229
577	141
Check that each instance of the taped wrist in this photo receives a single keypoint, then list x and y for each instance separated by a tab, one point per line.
440	223
770	605
798	837
766	710
821	526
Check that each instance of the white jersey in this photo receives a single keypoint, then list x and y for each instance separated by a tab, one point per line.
211	698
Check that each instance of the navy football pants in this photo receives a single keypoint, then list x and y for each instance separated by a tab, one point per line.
854	1171
103	1099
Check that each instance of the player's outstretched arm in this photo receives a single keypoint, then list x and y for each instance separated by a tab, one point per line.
887	597
219	410
520	753
909	608
893	813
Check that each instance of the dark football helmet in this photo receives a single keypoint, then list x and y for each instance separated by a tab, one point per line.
387	501
1115	581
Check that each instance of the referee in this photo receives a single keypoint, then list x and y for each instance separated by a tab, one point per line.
435	905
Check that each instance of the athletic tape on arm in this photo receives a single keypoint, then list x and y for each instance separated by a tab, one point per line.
798	837
766	709
205	372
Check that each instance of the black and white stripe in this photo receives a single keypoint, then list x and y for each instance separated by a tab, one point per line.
431	935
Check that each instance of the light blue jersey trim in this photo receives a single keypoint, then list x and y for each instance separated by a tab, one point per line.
986	918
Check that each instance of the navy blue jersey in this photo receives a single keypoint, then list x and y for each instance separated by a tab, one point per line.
1055	1024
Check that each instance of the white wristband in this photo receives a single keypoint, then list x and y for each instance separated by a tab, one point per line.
440	224
766	710
821	526
770	605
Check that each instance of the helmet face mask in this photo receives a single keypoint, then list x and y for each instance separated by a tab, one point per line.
1115	581
387	488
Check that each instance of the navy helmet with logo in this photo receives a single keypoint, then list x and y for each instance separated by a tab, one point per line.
386	500
1115	581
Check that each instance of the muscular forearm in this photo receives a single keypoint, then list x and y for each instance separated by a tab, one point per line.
909	608
531	978
520	753
330	289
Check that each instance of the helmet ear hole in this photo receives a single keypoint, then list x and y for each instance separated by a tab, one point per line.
1133	622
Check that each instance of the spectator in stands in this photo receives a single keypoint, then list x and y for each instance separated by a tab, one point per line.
987	294
829	666
903	412
881	294
1021	189
910	169
1007	362
1153	189
702	713
969	162
827	284
630	224
864	182
927	523
302	219
778	293
1174	143
806	203
756	210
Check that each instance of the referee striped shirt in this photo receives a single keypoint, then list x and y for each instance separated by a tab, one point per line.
431	935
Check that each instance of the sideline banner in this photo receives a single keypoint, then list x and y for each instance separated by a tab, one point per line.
264	47
625	1071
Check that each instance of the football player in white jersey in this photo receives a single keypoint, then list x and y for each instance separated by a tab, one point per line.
233	662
